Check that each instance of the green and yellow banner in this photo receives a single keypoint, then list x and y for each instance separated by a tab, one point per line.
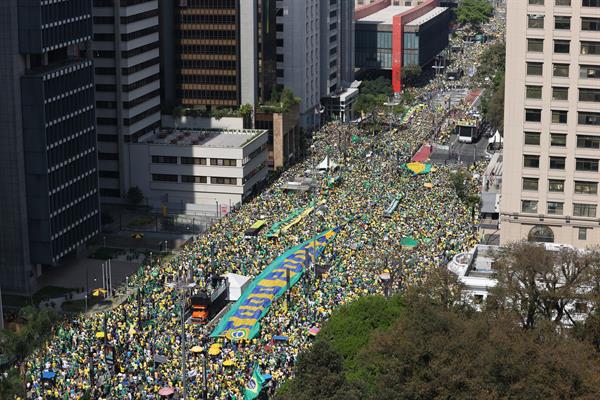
242	320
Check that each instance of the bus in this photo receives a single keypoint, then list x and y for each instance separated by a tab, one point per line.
254	229
468	130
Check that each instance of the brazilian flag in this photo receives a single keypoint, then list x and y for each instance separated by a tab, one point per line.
254	385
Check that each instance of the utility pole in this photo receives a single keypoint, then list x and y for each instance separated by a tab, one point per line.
183	285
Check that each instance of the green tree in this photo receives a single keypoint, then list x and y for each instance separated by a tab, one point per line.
135	196
411	73
474	12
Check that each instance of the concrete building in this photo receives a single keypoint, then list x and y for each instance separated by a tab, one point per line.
315	52
285	135
204	171
127	66
217	53
48	157
391	37
552	123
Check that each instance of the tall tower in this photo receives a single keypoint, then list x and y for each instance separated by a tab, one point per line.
48	157
127	66
552	122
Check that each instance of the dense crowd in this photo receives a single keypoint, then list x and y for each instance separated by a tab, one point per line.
148	323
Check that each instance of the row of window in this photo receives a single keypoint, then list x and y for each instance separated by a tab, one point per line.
562	93
562	46
215	180
560	140
562	70
557	162
563	22
219	162
561	116
558	186
557	208
567	3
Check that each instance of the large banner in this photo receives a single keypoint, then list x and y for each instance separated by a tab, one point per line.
290	220
241	321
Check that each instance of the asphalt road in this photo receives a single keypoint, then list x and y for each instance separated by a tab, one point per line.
465	153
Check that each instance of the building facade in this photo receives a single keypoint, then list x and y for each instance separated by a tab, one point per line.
396	36
217	53
552	123
199	171
48	158
127	85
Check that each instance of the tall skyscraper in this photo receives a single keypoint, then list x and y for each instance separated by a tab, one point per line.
315	51
217	53
552	122
48	160
127	65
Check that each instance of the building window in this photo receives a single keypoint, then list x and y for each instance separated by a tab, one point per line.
193	179
531	161
588	142
164	178
558	139
562	2
589	71
529	206
581	235
530	184
533	92
590	24
541	233
584	210
534	68
556	185
560	93
559	116
533	115
561	46
557	162
590	3
223	162
193	160
536	2
535	45
164	160
560	70
532	138
588	118
592	95
218	180
586	164
590	48
562	22
535	21
555	208
583	187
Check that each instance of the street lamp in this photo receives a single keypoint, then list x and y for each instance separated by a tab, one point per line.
182	286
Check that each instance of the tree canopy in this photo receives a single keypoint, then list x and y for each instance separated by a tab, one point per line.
474	12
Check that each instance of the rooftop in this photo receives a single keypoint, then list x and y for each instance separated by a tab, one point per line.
385	16
215	138
427	17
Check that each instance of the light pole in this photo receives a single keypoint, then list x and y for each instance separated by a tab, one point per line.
183	285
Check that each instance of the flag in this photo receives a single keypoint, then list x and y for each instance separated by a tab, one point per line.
254	385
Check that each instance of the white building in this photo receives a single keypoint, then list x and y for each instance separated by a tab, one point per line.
206	171
127	75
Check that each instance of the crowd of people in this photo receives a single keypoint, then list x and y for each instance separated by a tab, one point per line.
145	330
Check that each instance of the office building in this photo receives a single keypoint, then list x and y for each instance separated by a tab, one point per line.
48	157
391	37
217	53
127	67
552	123
199	171
315	53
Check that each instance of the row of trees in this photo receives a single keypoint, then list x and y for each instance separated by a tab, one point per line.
474	12
430	343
